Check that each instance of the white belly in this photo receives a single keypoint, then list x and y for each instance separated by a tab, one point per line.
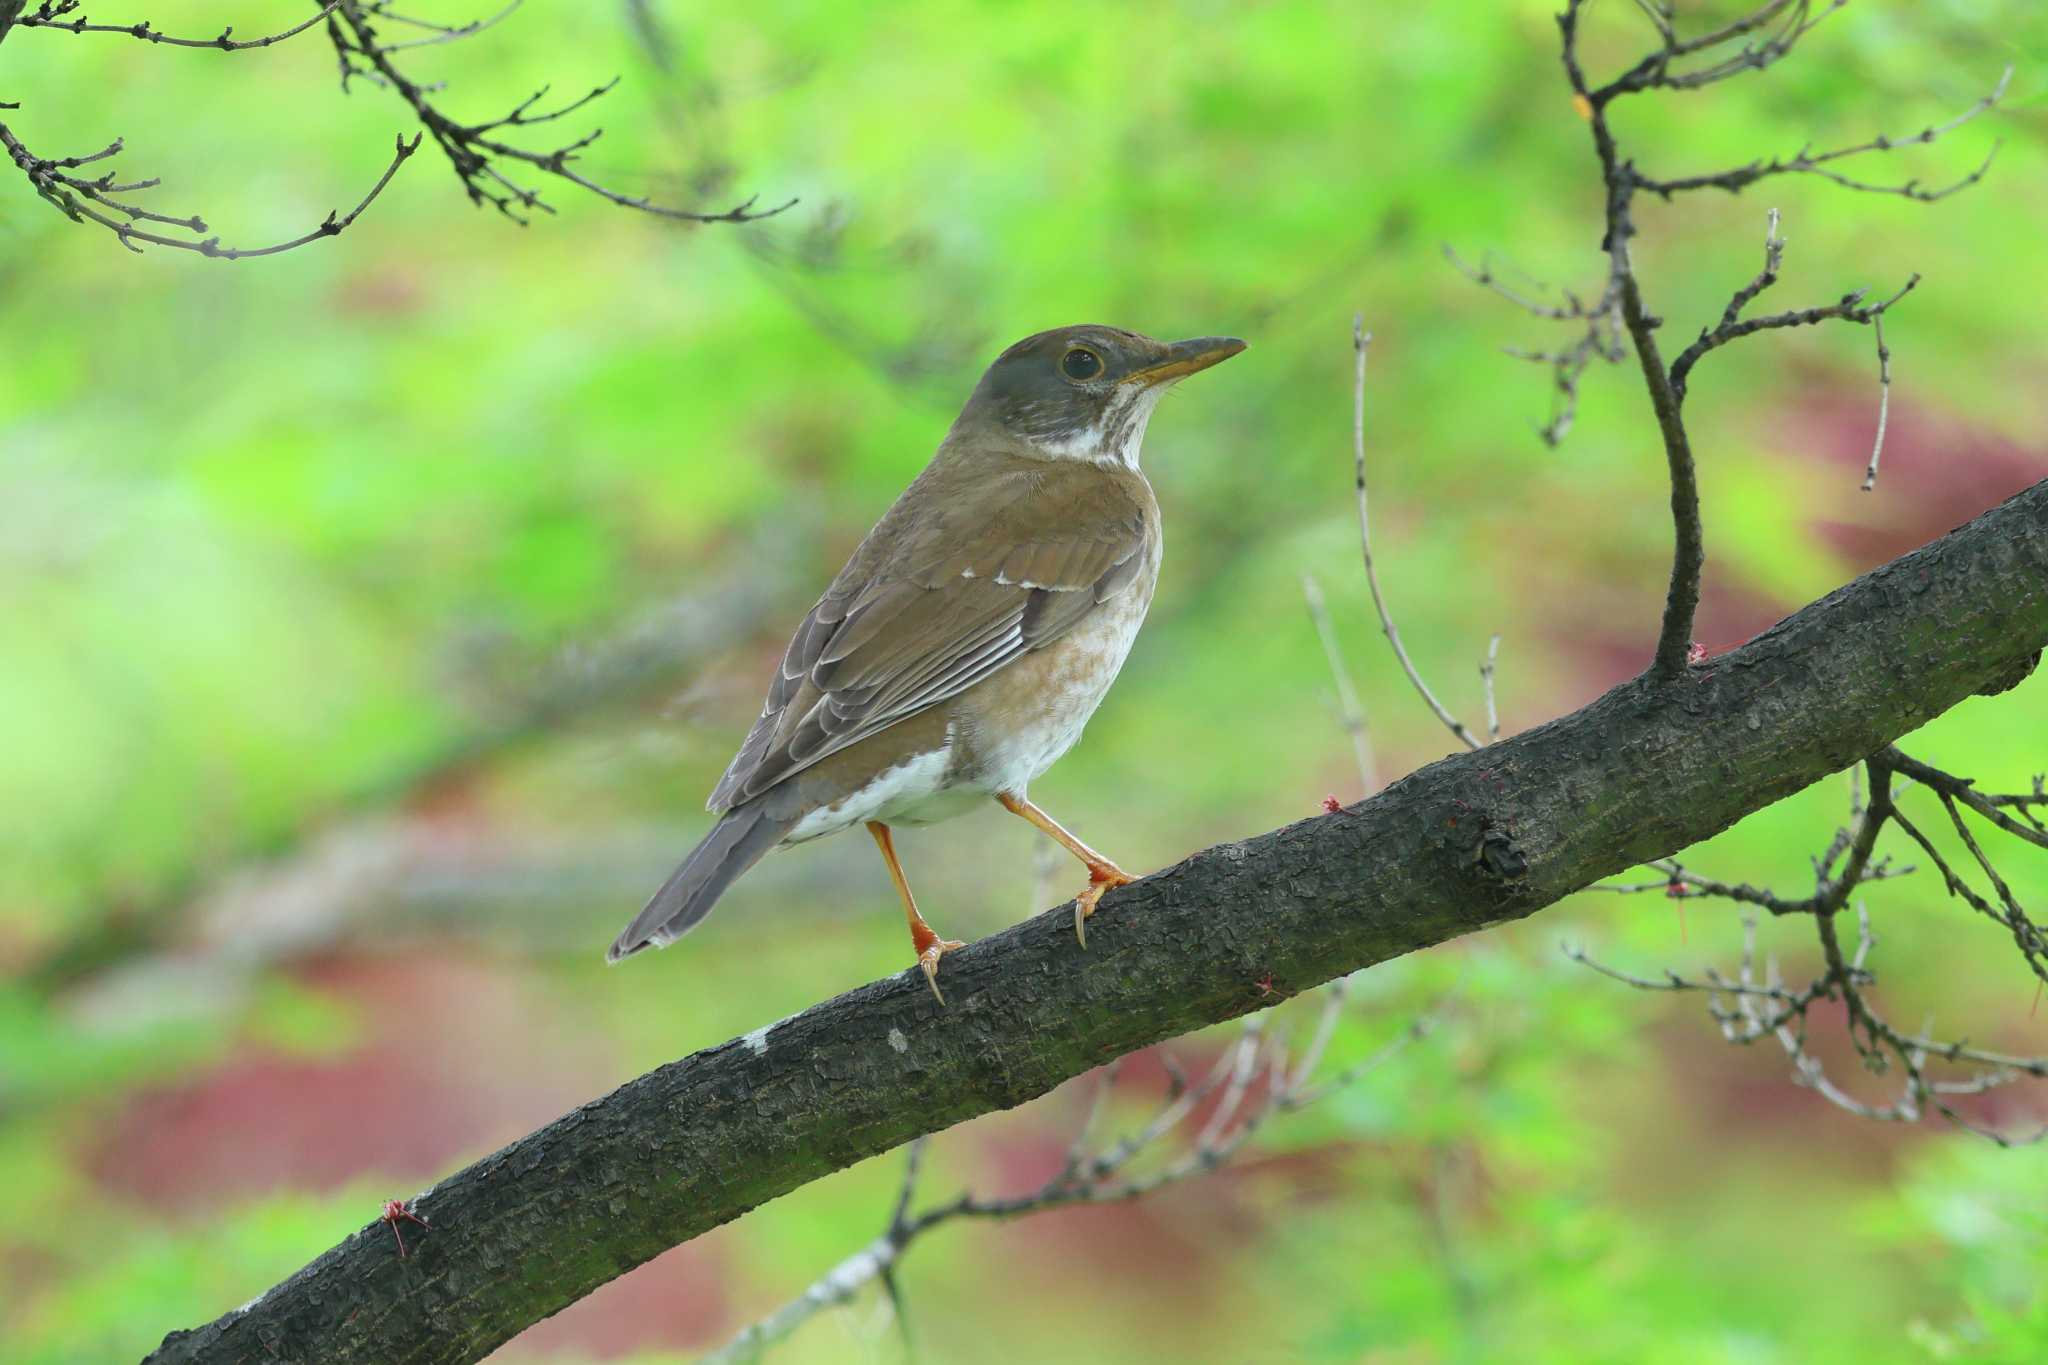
917	792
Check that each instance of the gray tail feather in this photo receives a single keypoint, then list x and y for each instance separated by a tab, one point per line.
734	844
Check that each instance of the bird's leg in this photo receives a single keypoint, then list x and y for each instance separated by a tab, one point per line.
930	947
1102	873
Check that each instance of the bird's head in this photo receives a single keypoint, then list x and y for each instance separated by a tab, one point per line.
1083	393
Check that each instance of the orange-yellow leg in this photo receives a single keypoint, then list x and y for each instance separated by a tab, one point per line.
1102	873
930	947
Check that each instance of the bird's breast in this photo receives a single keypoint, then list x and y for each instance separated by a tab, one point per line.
1018	723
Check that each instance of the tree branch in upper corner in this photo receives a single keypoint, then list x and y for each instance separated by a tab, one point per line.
479	152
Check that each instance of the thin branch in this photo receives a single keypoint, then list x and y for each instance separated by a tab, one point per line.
1655	71
1736	1004
442	33
1674	635
1808	162
1963	789
1831	892
1849	308
1361	342
1884	403
1689	553
47	15
1350	710
95	201
1484	275
473	151
1486	674
1600	339
1092	1174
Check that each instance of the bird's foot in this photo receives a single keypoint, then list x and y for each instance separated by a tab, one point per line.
1101	877
930	948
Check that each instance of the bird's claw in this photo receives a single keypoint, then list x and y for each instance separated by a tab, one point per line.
928	959
1100	879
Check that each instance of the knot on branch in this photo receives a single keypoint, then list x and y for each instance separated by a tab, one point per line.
2012	677
1478	842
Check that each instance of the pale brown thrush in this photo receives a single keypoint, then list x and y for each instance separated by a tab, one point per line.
964	646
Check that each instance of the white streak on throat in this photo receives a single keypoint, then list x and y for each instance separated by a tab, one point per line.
1114	441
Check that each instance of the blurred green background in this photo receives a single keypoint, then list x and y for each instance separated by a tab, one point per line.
373	620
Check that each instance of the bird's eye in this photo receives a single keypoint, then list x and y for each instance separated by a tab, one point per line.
1080	363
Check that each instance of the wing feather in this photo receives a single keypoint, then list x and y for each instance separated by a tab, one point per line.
929	605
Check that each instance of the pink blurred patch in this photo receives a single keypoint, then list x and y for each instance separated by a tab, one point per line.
455	1059
1608	632
677	1301
1938	472
1179	1242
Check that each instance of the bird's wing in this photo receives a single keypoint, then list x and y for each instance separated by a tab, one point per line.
929	606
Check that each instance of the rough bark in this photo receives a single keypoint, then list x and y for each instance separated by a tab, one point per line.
1474	840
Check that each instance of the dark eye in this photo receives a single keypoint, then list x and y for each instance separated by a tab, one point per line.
1080	363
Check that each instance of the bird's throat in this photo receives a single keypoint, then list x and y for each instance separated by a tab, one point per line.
1114	438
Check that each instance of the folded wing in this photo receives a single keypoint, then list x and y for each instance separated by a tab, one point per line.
930	605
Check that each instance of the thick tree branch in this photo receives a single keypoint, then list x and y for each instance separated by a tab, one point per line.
1475	840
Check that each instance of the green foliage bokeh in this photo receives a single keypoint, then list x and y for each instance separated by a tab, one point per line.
296	555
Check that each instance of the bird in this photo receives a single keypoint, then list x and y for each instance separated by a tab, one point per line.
969	638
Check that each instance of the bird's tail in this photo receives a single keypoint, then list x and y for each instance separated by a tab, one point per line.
735	843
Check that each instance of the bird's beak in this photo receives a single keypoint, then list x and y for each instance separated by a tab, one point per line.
1183	358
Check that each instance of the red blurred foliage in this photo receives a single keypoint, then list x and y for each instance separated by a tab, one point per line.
1608	632
1183	1237
454	1060
678	1301
1938	472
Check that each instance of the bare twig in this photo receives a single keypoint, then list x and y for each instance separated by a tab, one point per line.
1808	162
1486	674
1350	711
1747	1008
1253	1081
1991	807
1831	892
1674	636
1599	339
98	200
50	14
1361	342
1849	308
1737	1004
477	152
441	33
1655	71
1486	277
1884	403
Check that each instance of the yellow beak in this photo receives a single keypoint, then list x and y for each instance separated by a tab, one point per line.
1183	358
